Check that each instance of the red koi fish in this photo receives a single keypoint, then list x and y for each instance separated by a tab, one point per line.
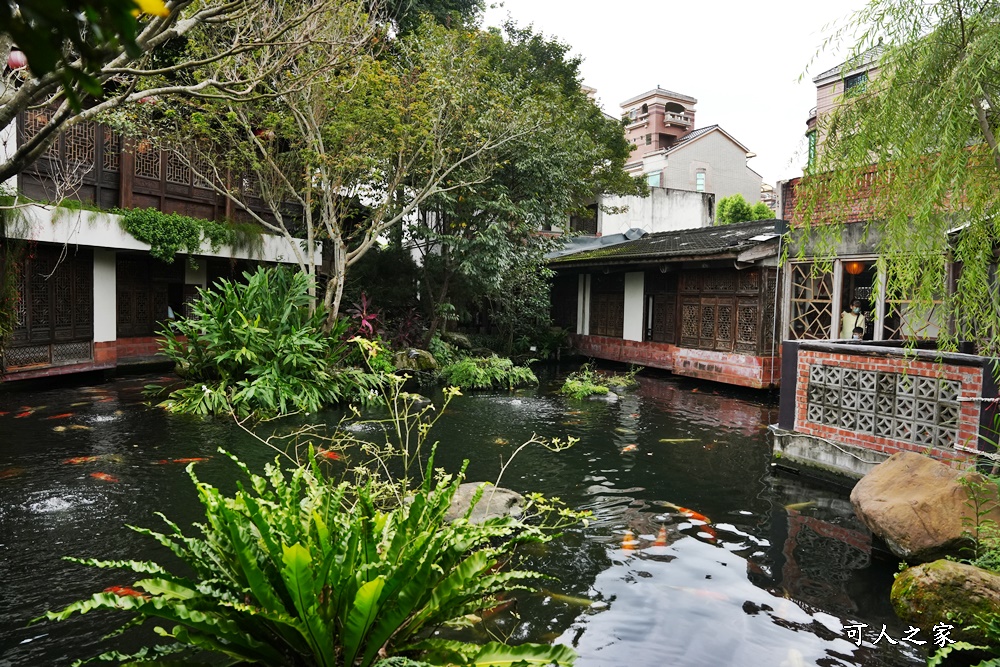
328	455
77	460
7	473
22	415
64	415
661	537
104	477
4	414
629	448
125	591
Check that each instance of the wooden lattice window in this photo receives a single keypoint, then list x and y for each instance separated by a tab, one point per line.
177	169
147	160
607	305
721	309
811	302
55	299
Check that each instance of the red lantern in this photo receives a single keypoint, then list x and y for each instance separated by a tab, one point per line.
854	268
16	59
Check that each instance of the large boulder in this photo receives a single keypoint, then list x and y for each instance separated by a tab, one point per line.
946	592
496	502
461	341
920	507
415	360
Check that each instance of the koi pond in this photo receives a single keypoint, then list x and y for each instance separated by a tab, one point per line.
699	552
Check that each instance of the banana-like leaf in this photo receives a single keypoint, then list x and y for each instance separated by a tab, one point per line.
361	618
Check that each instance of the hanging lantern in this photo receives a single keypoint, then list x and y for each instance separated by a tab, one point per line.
16	59
854	268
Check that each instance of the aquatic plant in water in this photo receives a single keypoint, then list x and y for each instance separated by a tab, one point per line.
295	568
588	381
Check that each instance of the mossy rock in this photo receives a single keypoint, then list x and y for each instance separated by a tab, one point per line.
460	341
945	591
482	352
415	360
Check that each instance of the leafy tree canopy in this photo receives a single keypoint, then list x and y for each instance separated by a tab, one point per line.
915	153
406	14
574	154
735	208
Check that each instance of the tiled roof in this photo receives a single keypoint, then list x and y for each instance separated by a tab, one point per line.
864	60
699	242
691	136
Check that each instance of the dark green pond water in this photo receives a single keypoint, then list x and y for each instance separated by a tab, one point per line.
770	582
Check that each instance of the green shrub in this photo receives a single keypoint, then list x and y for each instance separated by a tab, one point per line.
487	373
444	352
255	349
588	381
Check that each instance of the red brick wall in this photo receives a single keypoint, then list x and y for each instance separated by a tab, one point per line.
738	369
970	377
138	348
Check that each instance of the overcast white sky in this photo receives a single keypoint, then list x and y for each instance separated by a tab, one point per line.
741	60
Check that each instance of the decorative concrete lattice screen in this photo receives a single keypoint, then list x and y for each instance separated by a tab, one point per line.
910	408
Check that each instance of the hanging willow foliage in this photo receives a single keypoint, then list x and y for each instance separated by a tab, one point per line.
914	152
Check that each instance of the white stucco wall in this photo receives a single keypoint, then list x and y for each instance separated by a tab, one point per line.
197	274
105	296
663	210
49	224
634	294
725	165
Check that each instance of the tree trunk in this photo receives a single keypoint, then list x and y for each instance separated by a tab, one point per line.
335	283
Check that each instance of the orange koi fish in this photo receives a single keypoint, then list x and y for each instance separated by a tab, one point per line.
104	477
64	415
661	537
193	459
125	591
77	460
629	543
4	414
630	448
7	473
691	514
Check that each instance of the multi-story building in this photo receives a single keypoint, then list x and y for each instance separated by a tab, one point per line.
671	152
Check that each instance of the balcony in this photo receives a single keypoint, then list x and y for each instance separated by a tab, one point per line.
677	118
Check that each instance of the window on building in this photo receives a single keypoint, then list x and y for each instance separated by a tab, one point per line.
699	181
653	180
855	83
649	139
645	109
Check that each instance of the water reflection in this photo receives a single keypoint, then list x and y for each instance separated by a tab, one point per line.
695	553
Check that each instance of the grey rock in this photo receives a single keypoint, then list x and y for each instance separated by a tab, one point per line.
495	502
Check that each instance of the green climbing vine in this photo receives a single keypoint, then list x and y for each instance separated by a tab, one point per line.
170	233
